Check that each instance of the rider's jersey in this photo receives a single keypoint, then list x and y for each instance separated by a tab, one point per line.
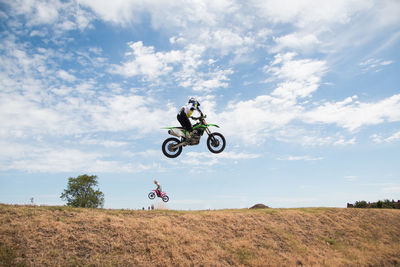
189	108
159	188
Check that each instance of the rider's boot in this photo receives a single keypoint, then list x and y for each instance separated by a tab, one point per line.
188	135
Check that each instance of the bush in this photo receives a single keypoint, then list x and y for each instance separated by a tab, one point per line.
360	204
385	204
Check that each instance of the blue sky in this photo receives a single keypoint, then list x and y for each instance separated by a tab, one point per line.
306	94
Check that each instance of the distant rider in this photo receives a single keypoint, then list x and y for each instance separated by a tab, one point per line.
186	112
159	190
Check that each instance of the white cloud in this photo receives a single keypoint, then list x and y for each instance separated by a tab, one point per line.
105	143
36	99
42	13
22	114
83	19
66	76
42	156
352	114
61	15
227	41
119	11
302	158
227	25
210	81
182	65
164	14
131	112
147	63
149	153
374	64
376	138
342	142
389	42
305	13
306	136
337	25
300	77
58	159
394	137
209	159
296	41
265	116
255	119
206	23
379	139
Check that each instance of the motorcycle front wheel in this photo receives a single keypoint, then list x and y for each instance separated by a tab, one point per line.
152	195
165	198
216	142
168	150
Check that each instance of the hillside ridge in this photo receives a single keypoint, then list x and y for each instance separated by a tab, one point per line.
64	236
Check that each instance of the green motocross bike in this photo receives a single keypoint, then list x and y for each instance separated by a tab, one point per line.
172	147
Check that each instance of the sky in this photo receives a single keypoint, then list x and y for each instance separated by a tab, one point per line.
305	92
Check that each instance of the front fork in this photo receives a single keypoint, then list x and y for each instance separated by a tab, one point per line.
213	140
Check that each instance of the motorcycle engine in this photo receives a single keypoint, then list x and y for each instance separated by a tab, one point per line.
195	140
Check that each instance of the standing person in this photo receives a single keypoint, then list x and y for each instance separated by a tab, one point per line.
185	113
159	190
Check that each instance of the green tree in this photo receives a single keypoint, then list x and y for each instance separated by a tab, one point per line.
361	204
81	193
387	204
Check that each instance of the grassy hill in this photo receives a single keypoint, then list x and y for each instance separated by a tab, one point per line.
63	236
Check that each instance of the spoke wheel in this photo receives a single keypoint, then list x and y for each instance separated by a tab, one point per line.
216	142
168	150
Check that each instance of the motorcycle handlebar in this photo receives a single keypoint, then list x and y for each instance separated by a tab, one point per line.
199	118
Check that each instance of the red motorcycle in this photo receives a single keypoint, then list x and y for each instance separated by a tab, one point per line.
163	195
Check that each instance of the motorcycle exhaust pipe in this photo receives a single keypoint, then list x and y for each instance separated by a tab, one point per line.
175	133
172	133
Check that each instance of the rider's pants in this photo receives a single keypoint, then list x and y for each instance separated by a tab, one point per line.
184	121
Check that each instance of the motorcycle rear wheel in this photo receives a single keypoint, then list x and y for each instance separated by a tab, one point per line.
216	142
168	150
152	195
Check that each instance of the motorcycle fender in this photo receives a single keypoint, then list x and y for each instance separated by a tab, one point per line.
213	125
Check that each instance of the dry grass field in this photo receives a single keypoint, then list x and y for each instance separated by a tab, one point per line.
63	236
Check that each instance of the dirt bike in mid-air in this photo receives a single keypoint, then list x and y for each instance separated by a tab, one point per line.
163	195
172	147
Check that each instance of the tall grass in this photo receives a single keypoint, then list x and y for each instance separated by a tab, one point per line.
63	236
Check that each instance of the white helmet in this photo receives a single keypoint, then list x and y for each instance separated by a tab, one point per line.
192	100
155	181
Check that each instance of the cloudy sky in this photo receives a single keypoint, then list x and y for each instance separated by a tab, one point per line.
306	93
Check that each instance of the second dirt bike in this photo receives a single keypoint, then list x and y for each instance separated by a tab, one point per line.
163	195
172	147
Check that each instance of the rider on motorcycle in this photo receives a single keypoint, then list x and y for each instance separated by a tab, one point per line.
159	190
185	113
